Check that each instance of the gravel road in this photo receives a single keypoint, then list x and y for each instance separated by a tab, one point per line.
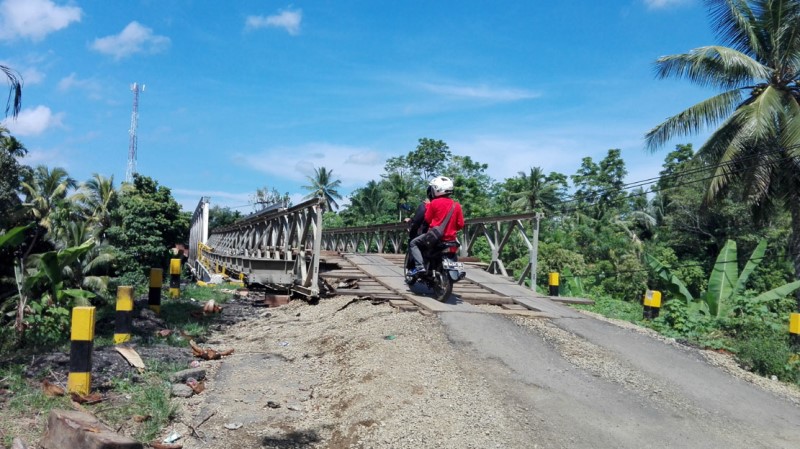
369	376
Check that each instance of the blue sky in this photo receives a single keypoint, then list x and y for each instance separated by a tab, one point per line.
246	94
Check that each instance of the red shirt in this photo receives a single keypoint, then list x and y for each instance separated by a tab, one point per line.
436	212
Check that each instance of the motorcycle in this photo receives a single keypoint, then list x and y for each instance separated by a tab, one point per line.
442	269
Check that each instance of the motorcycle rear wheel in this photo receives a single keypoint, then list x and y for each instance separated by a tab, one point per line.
442	286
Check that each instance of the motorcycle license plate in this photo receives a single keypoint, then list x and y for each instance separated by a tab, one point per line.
452	265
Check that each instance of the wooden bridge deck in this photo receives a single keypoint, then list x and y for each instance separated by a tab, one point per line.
381	276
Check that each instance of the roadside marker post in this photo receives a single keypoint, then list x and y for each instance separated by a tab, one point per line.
652	304
154	294
79	379
124	319
794	330
553	281
174	278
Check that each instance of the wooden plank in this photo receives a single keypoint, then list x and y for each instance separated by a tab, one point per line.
359	291
520	294
527	313
514	306
568	300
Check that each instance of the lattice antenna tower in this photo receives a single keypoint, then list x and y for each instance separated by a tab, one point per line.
133	145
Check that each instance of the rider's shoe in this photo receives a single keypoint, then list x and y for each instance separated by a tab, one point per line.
416	272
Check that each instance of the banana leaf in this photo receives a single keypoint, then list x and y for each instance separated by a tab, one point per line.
723	278
13	237
752	263
676	286
777	293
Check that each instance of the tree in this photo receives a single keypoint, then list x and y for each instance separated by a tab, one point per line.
367	205
429	158
14	102
599	187
222	216
46	199
266	197
757	142
401	190
11	174
536	191
145	226
97	198
324	186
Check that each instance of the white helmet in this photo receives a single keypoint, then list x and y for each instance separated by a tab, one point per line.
441	185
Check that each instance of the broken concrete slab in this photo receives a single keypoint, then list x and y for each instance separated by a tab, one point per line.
71	428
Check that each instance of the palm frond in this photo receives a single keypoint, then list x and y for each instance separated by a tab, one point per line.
716	66
706	113
737	25
14	102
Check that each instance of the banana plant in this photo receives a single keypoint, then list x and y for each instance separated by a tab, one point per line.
725	282
15	237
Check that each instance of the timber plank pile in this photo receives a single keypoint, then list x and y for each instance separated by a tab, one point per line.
345	278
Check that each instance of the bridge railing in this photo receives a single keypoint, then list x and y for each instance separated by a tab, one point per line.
278	248
198	234
497	231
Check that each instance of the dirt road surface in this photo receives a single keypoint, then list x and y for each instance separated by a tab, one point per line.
369	376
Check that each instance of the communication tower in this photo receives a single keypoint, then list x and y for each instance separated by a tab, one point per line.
132	146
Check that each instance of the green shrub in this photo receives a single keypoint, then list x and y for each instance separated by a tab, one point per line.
769	353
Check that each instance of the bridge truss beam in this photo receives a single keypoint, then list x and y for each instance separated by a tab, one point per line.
278	249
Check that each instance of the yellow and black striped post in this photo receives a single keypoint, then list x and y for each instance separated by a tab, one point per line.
652	304
794	330
552	281
154	294
122	330
80	351
174	278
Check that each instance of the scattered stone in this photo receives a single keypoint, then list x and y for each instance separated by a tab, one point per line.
182	391
184	375
233	425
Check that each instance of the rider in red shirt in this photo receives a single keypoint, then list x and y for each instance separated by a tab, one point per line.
435	214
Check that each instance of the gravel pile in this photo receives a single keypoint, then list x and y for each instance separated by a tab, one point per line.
364	376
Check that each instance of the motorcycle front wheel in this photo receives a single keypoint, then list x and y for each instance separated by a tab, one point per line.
442	286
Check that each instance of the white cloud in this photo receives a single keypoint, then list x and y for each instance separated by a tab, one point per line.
288	20
481	92
34	19
92	87
354	166
662	4
32	122
135	38
51	158
32	76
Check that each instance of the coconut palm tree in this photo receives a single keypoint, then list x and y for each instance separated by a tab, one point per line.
401	189
14	102
97	198
756	144
537	191
368	203
324	186
46	198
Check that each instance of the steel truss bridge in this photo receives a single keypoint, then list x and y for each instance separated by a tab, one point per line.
281	248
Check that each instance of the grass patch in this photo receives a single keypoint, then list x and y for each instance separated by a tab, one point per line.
142	409
24	406
615	308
